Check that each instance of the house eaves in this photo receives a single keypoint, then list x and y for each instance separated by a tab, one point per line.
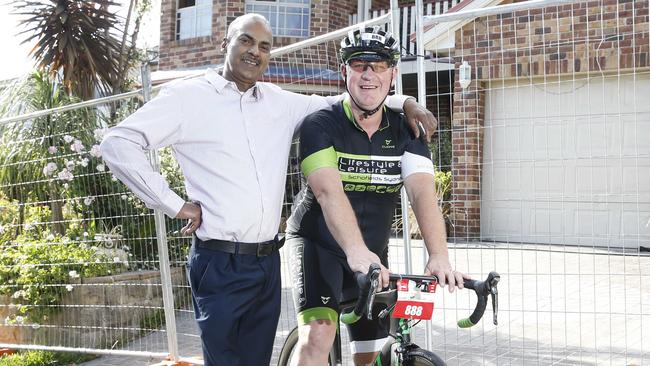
441	37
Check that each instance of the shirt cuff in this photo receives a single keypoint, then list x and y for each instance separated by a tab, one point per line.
172	204
396	102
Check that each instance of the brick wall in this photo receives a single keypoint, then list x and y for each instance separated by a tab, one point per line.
326	16
467	153
195	52
571	38
594	37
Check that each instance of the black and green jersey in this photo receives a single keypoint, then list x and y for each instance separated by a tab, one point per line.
372	171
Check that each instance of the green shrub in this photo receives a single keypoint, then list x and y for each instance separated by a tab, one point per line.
37	267
45	358
443	191
38	275
53	164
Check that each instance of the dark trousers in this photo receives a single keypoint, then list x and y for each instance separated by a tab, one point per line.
237	305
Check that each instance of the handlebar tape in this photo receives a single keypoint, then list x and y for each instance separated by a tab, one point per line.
350	318
363	281
482	290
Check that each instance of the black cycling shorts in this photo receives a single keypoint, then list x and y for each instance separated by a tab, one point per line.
321	282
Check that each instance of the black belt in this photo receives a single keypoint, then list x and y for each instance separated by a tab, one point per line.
257	249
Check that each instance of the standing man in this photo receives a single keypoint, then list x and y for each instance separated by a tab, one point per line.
356	155
231	136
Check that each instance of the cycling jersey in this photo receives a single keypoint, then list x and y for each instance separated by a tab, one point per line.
372	172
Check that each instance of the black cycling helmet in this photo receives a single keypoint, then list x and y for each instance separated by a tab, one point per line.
369	44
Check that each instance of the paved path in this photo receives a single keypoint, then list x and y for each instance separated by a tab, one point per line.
558	306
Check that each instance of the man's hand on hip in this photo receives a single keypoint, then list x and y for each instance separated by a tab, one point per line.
192	212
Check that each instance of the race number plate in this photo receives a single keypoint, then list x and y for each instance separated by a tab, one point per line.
414	302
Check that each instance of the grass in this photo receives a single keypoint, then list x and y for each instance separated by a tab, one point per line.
45	358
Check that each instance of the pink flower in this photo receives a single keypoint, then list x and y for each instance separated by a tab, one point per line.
65	174
77	146
94	151
99	133
49	169
52	150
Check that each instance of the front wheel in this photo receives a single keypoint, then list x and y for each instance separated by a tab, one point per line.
288	347
421	357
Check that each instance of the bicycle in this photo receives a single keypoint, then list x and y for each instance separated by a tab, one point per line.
406	310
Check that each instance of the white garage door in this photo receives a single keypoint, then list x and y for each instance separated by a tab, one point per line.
568	162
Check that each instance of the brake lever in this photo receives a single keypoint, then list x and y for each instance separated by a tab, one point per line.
374	283
494	294
495	306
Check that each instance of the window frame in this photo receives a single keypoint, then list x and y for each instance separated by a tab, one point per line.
274	9
198	17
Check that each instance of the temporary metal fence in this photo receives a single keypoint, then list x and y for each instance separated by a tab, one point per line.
545	127
546	144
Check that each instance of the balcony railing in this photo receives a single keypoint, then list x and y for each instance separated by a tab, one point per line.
407	25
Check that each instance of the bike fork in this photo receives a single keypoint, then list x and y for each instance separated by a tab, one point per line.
335	352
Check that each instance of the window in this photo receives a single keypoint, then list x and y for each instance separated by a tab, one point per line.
288	18
193	18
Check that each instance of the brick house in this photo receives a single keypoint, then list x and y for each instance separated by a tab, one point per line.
191	32
551	137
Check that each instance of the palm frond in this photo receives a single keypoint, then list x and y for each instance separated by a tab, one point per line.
78	38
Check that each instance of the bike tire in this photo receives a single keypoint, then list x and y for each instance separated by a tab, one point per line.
288	346
421	357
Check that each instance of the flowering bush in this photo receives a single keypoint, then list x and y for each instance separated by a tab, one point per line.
38	267
64	215
68	155
37	275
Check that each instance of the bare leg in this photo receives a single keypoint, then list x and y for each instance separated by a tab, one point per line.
315	341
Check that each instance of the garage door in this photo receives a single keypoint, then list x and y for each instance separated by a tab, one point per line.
568	162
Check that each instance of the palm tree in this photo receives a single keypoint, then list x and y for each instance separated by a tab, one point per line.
82	40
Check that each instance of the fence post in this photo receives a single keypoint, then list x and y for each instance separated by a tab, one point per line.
406	236
161	238
422	99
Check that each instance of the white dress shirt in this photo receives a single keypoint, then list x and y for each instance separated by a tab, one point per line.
232	148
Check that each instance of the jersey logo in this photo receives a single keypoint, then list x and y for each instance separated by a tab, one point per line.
325	299
387	145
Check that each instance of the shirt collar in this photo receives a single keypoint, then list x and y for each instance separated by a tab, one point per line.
347	108
219	83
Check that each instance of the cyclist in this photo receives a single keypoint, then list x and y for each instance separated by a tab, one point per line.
355	156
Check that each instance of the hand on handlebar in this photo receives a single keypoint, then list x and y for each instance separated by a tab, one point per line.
440	267
482	289
360	260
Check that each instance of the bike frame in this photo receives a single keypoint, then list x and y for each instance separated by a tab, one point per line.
399	330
